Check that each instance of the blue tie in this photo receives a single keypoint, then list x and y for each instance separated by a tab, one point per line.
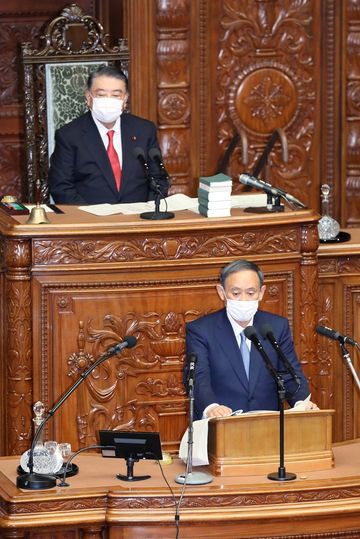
245	353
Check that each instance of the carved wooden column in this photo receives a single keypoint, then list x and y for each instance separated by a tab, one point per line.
173	76
308	302
18	345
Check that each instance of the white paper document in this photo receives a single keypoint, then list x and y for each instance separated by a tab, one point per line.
176	202
200	443
172	203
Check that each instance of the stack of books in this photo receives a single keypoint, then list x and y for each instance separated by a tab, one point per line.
214	195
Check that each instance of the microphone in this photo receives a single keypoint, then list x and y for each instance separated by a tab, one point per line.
36	481
191	373
155	155
140	155
267	332
335	335
247	179
250	333
128	342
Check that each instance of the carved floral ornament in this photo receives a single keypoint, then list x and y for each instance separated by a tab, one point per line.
263	99
168	248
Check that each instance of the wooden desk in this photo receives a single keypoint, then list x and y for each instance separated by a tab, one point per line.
71	288
317	504
339	308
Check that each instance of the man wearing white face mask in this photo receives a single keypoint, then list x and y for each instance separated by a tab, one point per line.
95	159
229	377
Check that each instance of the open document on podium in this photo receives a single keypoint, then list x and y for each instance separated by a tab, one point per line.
200	434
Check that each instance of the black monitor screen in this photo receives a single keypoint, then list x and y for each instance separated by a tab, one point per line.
128	444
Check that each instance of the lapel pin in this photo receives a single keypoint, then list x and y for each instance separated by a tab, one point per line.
133	137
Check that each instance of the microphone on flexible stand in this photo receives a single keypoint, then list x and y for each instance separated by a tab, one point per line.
157	214
267	333
281	474
36	481
335	335
270	190
190	477
342	339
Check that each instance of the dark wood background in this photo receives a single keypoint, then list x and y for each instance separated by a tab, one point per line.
202	69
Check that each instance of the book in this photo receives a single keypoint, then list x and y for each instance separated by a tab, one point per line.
224	194
220	178
213	187
214	204
218	212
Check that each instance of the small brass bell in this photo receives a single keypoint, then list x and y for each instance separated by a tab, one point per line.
37	216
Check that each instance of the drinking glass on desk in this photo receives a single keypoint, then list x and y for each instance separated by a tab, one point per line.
65	450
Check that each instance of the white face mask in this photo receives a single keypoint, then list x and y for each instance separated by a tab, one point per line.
241	311
107	109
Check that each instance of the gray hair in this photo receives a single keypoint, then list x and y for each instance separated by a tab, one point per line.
240	265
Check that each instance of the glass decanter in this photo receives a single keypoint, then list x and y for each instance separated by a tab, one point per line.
328	227
46	460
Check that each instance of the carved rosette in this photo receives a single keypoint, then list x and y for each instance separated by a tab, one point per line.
18	339
265	81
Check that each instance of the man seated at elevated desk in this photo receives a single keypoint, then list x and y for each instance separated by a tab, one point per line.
96	156
230	373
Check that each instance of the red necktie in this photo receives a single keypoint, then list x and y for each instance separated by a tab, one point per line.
114	159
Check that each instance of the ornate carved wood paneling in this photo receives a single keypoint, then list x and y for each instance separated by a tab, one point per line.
266	78
351	116
339	307
173	56
19	22
70	296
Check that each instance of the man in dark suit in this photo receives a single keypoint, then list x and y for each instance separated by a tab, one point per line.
227	379
86	167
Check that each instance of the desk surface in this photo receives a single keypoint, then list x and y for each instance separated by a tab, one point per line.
74	220
96	495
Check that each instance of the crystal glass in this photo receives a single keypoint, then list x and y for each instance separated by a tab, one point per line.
328	227
65	450
45	461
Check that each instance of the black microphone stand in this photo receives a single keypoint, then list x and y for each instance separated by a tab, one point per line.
37	481
157	214
347	359
281	474
190	477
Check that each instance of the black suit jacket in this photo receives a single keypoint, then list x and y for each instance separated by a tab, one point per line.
80	172
220	375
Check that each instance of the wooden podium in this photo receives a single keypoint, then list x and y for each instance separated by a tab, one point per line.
248	444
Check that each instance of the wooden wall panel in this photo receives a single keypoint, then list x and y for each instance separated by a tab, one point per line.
142	388
339	306
351	115
20	21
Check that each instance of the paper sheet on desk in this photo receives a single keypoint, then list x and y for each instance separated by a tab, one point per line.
200	443
176	202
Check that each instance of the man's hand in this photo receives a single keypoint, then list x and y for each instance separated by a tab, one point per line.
218	411
311	406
